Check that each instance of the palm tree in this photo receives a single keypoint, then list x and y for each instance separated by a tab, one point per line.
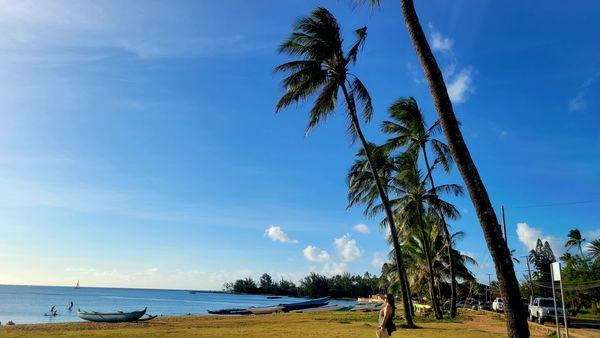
575	240
594	249
409	130
323	72
416	203
516	321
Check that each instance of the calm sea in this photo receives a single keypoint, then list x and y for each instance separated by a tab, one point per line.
27	304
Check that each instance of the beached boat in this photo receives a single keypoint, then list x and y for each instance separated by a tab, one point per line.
274	297
229	312
306	304
366	307
112	317
320	309
265	309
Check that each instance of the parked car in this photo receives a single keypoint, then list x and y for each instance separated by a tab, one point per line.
498	305
542	309
485	306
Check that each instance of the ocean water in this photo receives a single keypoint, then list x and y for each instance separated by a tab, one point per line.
28	304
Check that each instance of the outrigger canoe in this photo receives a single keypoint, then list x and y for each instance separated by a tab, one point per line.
306	304
320	309
230	312
265	310
113	317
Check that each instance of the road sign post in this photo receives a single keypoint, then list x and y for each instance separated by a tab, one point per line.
554	299
556	276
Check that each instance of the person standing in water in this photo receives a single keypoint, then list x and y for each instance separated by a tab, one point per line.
70	306
386	324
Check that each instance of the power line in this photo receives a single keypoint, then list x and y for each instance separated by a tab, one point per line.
556	204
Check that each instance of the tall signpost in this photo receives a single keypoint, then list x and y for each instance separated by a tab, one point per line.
556	276
554	299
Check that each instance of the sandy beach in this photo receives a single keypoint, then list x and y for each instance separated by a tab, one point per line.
336	324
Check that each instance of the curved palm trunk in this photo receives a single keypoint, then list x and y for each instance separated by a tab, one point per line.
448	239
388	210
434	301
509	287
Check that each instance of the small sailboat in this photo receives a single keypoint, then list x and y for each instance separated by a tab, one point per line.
77	285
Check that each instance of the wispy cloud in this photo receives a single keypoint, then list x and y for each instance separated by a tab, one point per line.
276	234
379	259
460	86
579	102
362	228
58	31
438	41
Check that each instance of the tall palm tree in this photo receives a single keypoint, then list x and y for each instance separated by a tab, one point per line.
323	72
575	240
409	130
516	322
594	249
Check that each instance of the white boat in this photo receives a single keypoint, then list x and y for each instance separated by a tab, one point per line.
112	317
265	310
319	309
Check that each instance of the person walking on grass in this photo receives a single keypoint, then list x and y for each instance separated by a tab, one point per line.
386	324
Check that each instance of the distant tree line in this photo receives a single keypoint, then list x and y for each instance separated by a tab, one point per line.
313	285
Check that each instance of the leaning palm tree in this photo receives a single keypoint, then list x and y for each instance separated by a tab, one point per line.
516	321
594	249
409	130
575	240
323	72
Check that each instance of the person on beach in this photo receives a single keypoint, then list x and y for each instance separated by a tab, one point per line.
386	324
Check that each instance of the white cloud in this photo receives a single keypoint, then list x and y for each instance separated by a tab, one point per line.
460	86
438	41
314	254
529	235
276	234
362	228
335	268
378	259
593	234
347	248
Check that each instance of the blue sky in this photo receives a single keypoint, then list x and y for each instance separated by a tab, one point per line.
139	145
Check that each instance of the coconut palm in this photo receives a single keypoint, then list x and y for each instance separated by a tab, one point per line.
323	71
416	203
409	130
575	240
516	321
594	249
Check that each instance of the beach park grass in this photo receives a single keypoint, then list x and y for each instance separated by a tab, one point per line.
333	324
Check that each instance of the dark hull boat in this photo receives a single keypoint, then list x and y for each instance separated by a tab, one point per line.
230	312
306	304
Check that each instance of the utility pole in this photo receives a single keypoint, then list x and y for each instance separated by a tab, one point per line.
530	280
504	226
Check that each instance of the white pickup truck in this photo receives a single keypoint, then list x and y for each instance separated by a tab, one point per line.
543	308
498	305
